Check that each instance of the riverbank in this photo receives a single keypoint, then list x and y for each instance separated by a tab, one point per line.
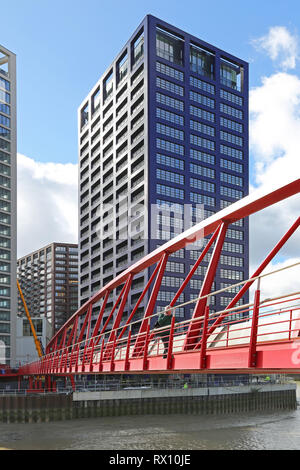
202	401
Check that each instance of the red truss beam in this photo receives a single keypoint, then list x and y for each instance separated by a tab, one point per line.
151	303
258	271
253	203
194	328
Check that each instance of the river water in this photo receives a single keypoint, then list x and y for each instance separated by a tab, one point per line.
256	431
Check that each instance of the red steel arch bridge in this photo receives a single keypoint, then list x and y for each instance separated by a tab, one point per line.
262	336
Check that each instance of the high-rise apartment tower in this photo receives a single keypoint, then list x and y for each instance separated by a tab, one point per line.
49	282
163	142
8	206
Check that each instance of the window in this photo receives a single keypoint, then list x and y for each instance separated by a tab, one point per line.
202	171
232	260
59	248
4	120
202	114
4	230
233	166
233	247
4	194
231	179
203	128
179	253
202	156
171	102
108	86
138	48
201	270
202	99
96	101
169	161
4	169
4	145
169	131
175	267
229	192
169	222
170	191
235	234
202	61
4	181
4	242
169	176
4	255
170	71
172	207
229	274
4	327
233	139
168	116
4	132
224	108
4	279
235	126
38	325
200	214
163	235
197	83
202	199
167	296
201	142
122	67
84	115
226	95
231	152
5	206
5	97
4	84
169	281
169	86
196	283
233	290
169	46
4	108
202	185
5	291
231	75
170	146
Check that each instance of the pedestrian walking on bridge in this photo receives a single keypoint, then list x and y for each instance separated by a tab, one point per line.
164	319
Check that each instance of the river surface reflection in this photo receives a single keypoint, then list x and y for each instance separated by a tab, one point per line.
255	431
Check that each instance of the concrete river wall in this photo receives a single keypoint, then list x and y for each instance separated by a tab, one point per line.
213	400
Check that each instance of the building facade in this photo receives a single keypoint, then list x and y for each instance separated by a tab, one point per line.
25	346
49	281
163	143
8	204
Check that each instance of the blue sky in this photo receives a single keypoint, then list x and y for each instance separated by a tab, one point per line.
64	46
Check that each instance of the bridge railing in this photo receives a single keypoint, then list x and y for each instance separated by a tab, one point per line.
276	319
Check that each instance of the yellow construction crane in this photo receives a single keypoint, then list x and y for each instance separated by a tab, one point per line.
38	344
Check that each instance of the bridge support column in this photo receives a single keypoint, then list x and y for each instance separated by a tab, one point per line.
170	348
253	338
204	339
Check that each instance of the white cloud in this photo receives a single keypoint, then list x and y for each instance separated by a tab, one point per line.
275	153
47	204
280	45
281	282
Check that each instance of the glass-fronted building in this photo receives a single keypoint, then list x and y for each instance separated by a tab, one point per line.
8	206
163	143
49	281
